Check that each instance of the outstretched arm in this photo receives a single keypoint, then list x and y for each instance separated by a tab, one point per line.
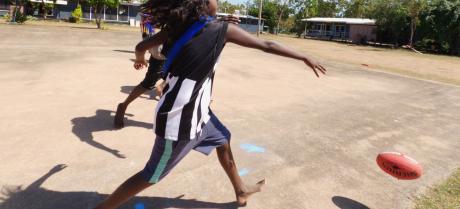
238	36
146	44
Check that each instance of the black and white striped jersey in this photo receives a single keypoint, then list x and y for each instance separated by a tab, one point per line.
184	107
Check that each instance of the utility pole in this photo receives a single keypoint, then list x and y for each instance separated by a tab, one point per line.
260	17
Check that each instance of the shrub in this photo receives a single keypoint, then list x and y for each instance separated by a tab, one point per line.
7	17
77	14
20	17
72	19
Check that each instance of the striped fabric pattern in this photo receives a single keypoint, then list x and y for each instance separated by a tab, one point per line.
184	108
163	162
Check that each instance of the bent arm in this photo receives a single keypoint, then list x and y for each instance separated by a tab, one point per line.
151	42
147	44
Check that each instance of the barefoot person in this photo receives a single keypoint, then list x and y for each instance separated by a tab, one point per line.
184	120
152	79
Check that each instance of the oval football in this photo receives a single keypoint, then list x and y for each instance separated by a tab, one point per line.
399	165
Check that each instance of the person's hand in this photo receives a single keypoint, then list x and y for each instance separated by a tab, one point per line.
139	64
159	86
315	66
231	19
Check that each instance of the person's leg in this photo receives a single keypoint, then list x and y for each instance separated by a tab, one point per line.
216	135
121	108
166	154
148	83
137	91
242	191
125	191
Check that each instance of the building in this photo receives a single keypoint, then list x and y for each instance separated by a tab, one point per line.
355	30
248	22
4	7
121	14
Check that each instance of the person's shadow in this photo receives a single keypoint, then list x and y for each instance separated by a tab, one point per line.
36	197
150	94
84	127
347	203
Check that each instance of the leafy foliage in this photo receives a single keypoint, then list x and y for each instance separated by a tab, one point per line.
226	7
440	27
77	14
98	6
19	18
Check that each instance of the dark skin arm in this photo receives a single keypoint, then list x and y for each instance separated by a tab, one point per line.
147	44
230	19
239	36
161	38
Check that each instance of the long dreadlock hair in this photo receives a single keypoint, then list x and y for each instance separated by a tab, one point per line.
175	16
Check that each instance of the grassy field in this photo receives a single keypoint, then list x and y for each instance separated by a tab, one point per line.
438	68
443	196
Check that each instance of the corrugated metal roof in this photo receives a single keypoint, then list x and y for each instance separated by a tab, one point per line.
357	21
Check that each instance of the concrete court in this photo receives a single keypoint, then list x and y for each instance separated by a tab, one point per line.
316	139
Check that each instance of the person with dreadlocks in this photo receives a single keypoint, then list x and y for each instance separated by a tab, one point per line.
152	79
184	120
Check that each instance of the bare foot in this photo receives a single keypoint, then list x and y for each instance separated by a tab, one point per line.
120	116
242	197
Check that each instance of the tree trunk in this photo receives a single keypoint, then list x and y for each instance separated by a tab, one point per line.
44	9
412	32
278	24
260	17
97	16
279	18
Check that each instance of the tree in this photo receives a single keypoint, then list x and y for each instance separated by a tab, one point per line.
283	12
99	5
392	21
269	12
357	8
303	9
327	8
226	7
414	8
440	27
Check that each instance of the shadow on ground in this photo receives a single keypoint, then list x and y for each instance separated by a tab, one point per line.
85	27
347	203
150	94
123	51
35	197
84	127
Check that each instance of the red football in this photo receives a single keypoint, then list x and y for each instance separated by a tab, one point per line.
399	165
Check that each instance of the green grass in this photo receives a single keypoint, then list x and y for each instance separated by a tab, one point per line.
443	196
